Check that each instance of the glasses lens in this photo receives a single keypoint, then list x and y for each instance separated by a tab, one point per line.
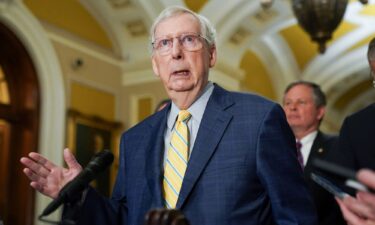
189	42
163	45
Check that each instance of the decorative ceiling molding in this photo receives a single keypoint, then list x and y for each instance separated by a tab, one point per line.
139	77
239	36
119	4
274	51
264	16
136	28
103	13
344	66
73	42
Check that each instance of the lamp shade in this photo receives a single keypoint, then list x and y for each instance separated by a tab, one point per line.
319	18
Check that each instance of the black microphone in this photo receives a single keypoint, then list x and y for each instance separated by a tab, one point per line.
99	163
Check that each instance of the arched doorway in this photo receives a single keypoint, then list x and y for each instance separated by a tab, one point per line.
19	125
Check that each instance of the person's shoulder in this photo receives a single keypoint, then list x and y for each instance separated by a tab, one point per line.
254	102
146	124
250	105
328	137
249	98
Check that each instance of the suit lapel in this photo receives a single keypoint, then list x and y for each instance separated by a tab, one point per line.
212	127
154	158
317	151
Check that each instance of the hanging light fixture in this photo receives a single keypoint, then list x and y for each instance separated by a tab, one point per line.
266	3
319	18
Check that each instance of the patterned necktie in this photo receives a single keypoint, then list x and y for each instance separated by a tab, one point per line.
177	158
299	154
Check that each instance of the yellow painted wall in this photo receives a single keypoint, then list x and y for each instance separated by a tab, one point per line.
195	5
354	92
71	16
144	108
152	91
4	91
368	10
300	44
343	29
256	77
91	101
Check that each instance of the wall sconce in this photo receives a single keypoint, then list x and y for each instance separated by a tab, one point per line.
319	18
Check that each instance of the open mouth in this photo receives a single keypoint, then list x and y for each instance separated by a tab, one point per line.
181	72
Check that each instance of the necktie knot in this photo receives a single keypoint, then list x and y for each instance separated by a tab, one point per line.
298	145
183	116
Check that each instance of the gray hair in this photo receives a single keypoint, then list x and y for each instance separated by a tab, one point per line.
207	29
371	50
318	95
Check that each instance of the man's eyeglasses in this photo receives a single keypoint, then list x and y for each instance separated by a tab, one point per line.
190	42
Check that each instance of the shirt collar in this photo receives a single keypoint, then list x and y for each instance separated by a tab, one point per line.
309	138
196	109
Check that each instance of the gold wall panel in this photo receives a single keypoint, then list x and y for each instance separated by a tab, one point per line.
256	78
300	44
195	5
351	94
88	100
144	108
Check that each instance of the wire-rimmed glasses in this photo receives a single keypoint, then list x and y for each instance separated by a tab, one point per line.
188	41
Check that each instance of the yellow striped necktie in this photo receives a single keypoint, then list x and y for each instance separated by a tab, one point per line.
177	158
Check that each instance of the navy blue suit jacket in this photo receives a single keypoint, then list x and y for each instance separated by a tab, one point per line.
356	144
243	169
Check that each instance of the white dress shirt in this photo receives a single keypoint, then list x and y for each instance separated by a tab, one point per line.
307	143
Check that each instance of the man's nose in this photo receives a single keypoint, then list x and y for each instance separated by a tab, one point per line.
293	106
176	49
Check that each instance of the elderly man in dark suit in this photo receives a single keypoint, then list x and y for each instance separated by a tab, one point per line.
304	106
220	157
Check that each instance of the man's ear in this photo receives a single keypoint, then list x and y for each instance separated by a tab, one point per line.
321	112
155	67
212	56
